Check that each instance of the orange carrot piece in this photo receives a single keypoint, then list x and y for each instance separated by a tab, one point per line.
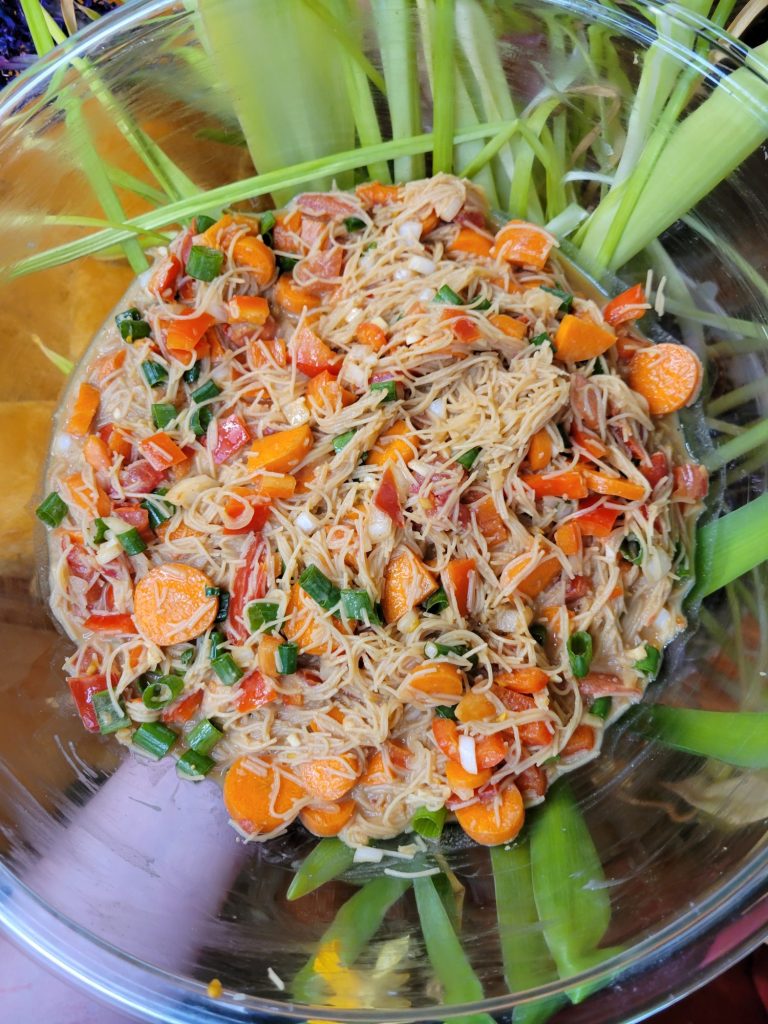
372	335
184	334
106	365
569	484
161	452
474	707
667	376
281	452
472	242
170	604
489	522
523	244
305	626
310	354
325	393
373	193
531	581
568	538
268	352
459	778
407	582
279	485
119	443
601	483
91	497
267	654
396	443
630	305
293	299
83	411
96	453
582	738
509	325
248	309
491	823
212	235
328	820
258	258
578	339
441	681
330	778
377	772
250	798
489	750
456	577
523	680
540	450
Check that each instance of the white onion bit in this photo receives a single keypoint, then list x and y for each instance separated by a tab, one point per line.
421	265
367	855
307	523
468	754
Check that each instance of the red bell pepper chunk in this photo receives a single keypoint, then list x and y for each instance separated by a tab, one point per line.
141	477
185	709
658	469
232	436
163	280
630	305
254	691
135	516
117	623
311	355
599	521
249	584
387	497
82	689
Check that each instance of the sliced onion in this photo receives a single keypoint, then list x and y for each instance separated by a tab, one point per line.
410	231
379	524
296	412
367	855
421	265
437	408
401	274
468	754
427	295
307	523
413	337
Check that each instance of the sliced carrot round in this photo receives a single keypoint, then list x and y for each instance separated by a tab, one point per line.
523	680
667	376
495	821
330	778
489	750
459	778
328	820
441	682
259	797
170	604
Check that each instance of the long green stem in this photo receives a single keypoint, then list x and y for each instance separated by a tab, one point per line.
729	546
329	859
753	437
443	89
729	736
738	396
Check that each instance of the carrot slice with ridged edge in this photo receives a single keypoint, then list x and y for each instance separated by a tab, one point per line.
170	603
259	798
330	778
667	376
494	822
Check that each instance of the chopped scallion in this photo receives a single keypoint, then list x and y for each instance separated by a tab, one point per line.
651	662
154	373
227	669
287	658
216	638
267	223
436	602
389	387
357	604
262	615
204	263
286	263
132	542
481	305
542	339
341	440
354	224
468	459
161	692
445	711
580	653
601	707
428	823
434	649
100	531
539	632
203	222
132	326
447	295
158	511
194	766
322	590
223	611
52	510
193	373
565	297
200	420
597	367
188	656
632	550
163	414
204	737
109	718
154	738
208	391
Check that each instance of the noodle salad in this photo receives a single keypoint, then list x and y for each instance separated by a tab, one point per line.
361	506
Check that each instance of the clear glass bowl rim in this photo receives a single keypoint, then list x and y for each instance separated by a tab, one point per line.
736	894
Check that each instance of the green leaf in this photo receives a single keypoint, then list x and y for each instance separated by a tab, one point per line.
459	982
736	737
329	859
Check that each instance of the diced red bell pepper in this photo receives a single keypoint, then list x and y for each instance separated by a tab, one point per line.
135	516
249	584
141	477
163	280
82	689
387	497
260	510
311	355
185	709
658	469
599	521
691	482
116	623
254	691
630	305
232	436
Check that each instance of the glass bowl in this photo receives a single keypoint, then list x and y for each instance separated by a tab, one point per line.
130	882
